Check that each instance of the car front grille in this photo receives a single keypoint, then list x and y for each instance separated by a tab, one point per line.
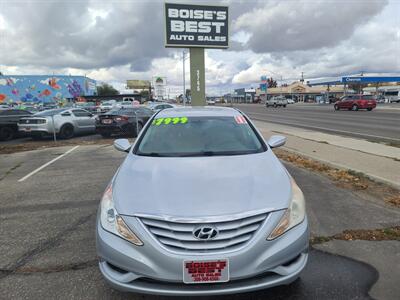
178	236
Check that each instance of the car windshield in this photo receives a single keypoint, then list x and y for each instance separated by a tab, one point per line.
51	112
199	136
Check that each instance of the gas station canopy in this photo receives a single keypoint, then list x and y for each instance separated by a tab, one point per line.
354	79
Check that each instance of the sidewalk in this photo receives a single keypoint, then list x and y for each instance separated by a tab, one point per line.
380	162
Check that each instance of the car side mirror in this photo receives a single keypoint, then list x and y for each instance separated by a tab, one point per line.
276	141
122	145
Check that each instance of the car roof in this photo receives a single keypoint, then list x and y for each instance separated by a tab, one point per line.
201	111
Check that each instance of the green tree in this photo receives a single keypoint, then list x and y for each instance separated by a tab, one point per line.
106	89
144	94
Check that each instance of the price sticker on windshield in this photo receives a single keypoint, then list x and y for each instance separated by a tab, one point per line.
170	121
240	120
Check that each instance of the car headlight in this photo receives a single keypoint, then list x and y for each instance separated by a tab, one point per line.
112	222
294	215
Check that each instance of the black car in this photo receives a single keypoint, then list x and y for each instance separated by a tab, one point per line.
127	121
8	122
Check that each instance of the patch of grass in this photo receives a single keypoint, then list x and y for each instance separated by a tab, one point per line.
384	234
343	178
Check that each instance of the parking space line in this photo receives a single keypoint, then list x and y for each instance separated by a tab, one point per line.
46	164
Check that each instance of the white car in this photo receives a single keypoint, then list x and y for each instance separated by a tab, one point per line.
210	102
290	101
107	106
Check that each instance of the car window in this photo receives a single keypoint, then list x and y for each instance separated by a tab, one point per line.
199	136
81	113
50	112
145	111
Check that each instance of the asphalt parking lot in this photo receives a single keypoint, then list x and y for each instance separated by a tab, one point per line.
48	242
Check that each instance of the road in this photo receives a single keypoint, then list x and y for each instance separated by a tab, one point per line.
379	125
48	243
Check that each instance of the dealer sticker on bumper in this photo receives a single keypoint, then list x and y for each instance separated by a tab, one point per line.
205	271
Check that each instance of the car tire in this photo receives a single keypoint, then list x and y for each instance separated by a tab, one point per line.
354	107
275	106
284	106
67	131
369	109
7	133
336	107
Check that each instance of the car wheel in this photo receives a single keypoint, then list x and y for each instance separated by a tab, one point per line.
354	107
284	106
336	107
6	133
369	109
67	131
275	105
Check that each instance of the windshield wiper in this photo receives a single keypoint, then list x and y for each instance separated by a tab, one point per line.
154	154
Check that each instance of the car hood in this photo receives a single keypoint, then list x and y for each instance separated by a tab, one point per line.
190	187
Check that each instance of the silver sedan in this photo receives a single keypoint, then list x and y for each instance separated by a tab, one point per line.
201	206
64	122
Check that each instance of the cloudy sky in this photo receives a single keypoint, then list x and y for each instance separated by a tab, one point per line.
114	41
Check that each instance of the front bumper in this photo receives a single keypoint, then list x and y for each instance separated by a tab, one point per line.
152	269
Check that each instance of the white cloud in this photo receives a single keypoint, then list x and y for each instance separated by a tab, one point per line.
119	40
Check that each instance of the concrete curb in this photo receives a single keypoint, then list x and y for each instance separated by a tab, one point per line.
340	166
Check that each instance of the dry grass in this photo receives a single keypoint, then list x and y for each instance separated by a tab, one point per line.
35	145
344	178
384	234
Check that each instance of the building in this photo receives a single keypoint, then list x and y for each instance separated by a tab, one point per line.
241	95
301	92
44	88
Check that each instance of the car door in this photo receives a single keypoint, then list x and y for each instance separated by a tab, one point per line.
84	120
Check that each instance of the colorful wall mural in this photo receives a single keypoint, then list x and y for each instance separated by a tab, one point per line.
44	88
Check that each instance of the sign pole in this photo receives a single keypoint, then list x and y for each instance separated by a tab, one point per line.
197	77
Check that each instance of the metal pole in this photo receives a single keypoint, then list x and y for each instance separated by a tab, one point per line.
197	77
54	129
184	84
137	132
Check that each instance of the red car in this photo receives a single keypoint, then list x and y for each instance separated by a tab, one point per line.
356	102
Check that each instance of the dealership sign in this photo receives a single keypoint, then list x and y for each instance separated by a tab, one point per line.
190	25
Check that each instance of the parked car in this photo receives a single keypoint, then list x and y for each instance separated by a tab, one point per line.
125	104
201	206
9	122
157	106
356	102
129	121
4	106
290	101
89	106
67	122
107	106
210	102
276	101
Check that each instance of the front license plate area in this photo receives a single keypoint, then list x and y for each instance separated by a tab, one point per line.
205	271
107	121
